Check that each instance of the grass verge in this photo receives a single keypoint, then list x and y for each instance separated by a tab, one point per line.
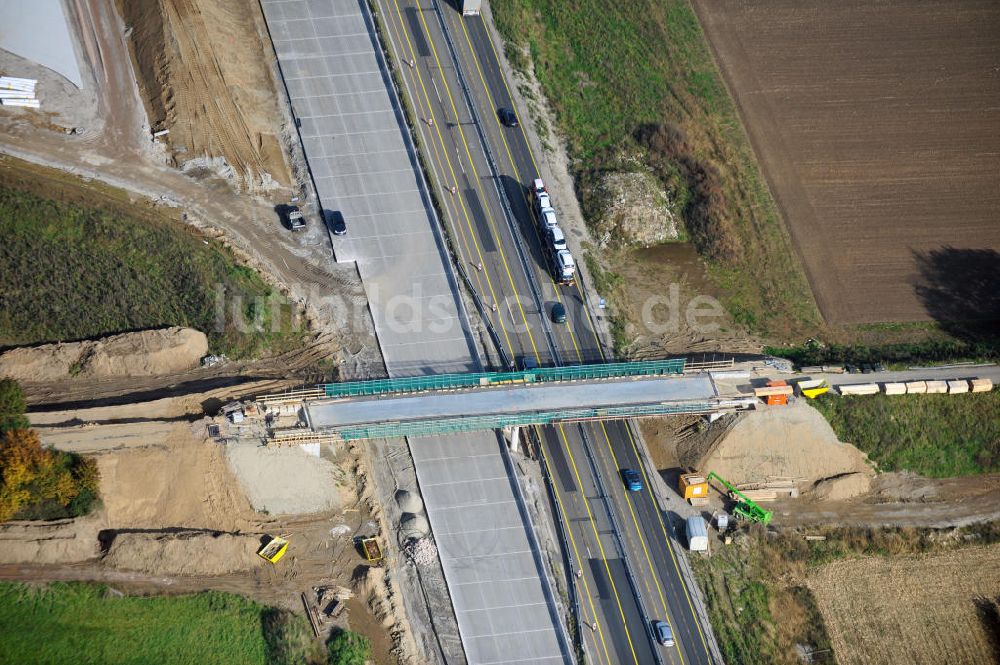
624	77
86	623
933	435
77	263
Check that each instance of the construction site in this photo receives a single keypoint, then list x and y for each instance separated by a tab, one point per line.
332	472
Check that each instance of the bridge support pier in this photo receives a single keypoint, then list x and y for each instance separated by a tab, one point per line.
512	434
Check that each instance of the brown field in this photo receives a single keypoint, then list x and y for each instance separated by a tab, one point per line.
912	609
878	128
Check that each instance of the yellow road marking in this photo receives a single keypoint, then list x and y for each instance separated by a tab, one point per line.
576	551
478	185
600	546
451	169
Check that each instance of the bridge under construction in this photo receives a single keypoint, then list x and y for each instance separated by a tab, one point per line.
440	404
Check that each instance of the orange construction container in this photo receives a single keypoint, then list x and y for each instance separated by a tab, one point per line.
693	486
775	393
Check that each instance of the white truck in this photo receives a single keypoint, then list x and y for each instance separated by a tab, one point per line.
697	534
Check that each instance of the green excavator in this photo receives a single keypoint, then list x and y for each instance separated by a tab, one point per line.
745	509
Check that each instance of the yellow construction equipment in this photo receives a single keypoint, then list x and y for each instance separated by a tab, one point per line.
813	389
693	487
274	549
371	549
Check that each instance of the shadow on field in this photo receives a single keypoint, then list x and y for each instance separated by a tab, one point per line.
961	290
989	614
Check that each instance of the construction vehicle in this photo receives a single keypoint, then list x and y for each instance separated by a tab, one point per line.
274	549
694	488
745	509
371	549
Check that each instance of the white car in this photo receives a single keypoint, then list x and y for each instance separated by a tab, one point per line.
556	238
548	217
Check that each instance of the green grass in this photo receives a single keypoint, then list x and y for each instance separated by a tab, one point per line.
922	352
933	435
81	623
72	270
611	69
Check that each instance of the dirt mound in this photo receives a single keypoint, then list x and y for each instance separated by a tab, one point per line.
842	487
60	541
205	76
146	353
633	209
188	553
790	442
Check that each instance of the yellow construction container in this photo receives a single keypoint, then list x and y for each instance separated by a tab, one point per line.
814	388
693	486
273	550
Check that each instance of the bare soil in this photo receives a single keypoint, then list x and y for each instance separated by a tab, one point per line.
876	125
206	76
912	609
146	353
671	305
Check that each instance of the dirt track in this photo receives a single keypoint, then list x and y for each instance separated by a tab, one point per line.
878	127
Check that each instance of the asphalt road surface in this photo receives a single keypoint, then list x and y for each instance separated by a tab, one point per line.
623	562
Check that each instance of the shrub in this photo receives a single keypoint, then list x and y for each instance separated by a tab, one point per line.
41	483
12	406
348	648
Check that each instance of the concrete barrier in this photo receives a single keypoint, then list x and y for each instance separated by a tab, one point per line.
895	388
859	389
958	386
916	387
937	387
981	385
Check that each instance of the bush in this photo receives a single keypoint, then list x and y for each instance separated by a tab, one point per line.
41	483
12	406
348	648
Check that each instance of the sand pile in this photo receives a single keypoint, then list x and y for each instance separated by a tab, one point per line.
188	553
146	353
60	541
790	442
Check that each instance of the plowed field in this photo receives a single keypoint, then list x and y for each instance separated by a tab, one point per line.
911	609
878	127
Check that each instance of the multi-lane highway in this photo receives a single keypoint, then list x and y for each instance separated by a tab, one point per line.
625	569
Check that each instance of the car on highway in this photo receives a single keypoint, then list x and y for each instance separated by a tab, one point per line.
527	363
558	313
337	224
633	481
507	117
664	635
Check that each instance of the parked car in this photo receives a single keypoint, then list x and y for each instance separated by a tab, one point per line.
558	313
664	635
294	218
633	481
337	224
507	117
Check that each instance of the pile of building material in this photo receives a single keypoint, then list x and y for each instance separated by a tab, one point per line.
767	491
18	92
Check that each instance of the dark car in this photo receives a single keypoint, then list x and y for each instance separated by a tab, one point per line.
507	117
558	313
528	363
633	481
664	635
294	218
337	224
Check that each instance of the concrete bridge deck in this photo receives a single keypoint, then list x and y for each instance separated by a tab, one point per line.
511	399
